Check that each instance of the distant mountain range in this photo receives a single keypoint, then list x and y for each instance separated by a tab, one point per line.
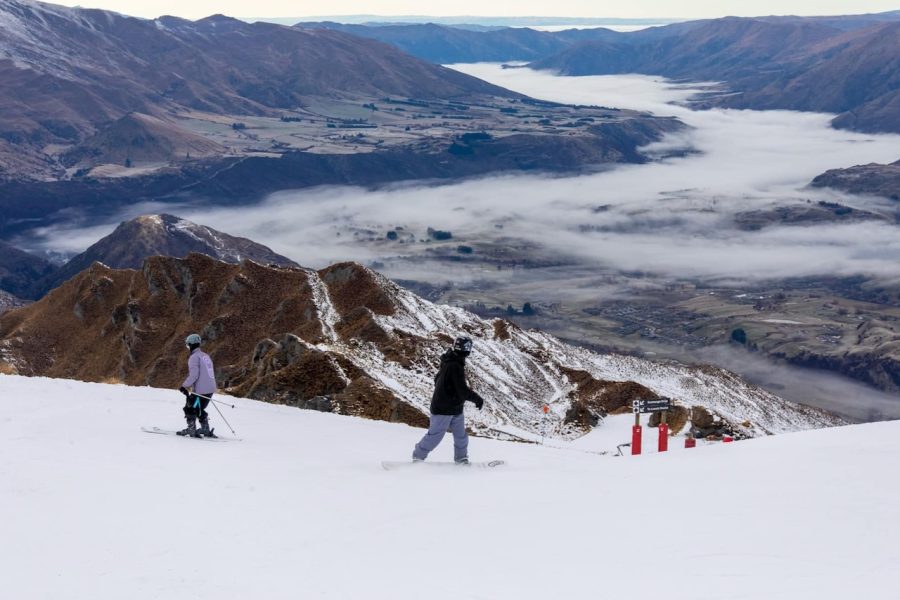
444	44
846	65
472	21
796	64
70	75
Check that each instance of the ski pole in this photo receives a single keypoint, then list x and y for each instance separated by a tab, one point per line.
224	419
217	409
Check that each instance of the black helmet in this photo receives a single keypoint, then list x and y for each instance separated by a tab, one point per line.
463	344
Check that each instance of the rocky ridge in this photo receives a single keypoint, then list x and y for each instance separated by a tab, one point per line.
345	339
874	179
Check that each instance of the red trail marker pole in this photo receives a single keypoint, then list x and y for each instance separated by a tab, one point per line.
546	409
663	433
636	434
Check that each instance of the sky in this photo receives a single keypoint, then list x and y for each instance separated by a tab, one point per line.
571	8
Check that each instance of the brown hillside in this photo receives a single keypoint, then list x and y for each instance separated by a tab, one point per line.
259	324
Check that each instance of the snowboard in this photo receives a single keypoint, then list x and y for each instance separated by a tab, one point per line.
175	433
391	465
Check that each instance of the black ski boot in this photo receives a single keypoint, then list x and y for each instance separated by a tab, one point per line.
190	430
204	430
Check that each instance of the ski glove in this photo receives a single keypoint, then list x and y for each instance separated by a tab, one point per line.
478	401
184	391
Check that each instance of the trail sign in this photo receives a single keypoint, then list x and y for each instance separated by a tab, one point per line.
651	406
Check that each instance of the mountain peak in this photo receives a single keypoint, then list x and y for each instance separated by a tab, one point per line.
220	23
161	235
168	235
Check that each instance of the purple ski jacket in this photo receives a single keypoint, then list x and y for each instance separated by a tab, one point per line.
201	375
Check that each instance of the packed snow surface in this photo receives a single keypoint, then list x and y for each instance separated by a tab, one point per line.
93	508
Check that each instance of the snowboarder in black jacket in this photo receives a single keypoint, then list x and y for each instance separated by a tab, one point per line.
450	395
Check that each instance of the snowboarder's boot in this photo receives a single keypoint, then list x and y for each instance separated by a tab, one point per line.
191	429
204	430
462	461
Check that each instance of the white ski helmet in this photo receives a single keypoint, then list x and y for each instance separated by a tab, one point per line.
193	340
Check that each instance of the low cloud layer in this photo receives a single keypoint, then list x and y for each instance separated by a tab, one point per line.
673	218
850	399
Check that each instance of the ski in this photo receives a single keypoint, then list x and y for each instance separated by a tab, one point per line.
175	433
391	465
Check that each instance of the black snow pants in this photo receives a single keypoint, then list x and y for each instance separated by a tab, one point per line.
195	406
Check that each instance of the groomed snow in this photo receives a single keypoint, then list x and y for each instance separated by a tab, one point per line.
93	508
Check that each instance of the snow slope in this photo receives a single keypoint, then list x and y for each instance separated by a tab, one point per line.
95	509
522	373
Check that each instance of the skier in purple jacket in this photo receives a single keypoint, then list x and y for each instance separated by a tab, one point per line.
198	389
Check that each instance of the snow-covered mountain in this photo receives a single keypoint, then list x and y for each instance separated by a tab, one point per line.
300	508
346	339
134	241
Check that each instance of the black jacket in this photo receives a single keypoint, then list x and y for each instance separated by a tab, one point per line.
450	388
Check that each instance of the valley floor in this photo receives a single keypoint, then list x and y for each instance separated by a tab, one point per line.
300	508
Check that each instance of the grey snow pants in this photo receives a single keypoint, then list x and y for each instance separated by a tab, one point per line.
437	428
